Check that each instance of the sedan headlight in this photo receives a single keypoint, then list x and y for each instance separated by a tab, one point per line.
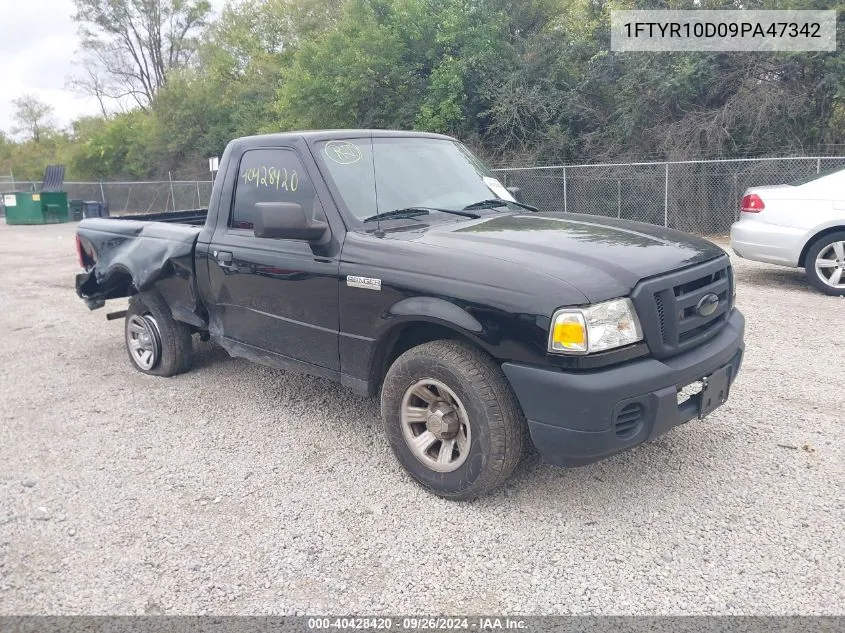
595	328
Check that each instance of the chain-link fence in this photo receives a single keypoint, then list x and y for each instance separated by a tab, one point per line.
131	197
694	196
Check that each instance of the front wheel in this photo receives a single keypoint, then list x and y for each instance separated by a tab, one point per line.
157	344
451	419
825	264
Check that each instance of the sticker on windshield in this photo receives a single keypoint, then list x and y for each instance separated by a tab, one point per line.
343	152
498	188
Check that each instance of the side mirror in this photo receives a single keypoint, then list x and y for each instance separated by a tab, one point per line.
516	192
286	220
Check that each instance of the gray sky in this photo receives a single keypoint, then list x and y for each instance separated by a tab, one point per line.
38	43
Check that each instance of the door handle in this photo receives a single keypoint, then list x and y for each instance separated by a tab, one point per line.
224	258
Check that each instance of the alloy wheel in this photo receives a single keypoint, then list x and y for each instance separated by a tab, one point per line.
435	425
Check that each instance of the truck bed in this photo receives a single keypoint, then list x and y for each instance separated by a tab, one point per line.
130	254
193	217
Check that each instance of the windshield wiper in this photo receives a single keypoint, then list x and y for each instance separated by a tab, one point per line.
492	203
413	212
410	212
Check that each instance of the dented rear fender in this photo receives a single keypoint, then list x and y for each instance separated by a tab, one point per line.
129	256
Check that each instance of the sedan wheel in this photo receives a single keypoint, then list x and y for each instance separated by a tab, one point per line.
825	263
830	264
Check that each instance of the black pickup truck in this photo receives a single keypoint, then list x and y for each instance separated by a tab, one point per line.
396	263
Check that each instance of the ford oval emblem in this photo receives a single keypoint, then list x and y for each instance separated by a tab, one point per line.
707	305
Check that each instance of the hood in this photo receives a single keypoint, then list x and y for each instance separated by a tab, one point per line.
603	258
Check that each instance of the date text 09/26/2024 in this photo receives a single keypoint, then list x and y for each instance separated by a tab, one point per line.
424	623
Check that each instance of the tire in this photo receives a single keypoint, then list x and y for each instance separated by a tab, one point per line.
478	425
829	249
150	327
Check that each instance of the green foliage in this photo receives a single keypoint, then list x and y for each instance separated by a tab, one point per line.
352	75
26	160
399	63
112	148
520	80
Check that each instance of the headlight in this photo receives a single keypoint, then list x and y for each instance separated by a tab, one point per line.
595	328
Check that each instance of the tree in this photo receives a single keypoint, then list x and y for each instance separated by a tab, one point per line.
33	117
247	49
533	81
397	63
90	83
131	46
117	147
355	75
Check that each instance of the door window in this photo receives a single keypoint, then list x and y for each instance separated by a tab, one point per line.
269	175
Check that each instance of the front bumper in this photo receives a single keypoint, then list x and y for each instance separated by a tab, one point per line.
579	418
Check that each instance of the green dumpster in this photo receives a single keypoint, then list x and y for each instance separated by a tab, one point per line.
36	207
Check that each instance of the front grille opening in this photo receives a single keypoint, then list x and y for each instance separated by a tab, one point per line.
628	420
702	329
696	284
692	389
661	314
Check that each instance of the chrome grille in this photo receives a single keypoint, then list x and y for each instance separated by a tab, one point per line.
668	306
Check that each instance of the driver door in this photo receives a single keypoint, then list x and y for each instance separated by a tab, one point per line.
278	295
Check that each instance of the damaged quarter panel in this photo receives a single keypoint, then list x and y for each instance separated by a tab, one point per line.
119	264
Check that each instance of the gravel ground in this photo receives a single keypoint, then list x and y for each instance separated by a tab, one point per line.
239	489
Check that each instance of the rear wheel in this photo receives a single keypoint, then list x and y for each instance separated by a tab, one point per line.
157	344
451	419
825	264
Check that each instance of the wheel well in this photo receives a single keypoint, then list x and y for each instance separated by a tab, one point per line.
802	258
405	337
120	285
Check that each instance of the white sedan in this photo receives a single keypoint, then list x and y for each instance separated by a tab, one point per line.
801	225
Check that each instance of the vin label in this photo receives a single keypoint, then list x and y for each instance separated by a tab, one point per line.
731	30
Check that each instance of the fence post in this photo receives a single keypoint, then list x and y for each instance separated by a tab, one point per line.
736	197
818	164
564	189
102	192
666	197
172	195
199	202
619	199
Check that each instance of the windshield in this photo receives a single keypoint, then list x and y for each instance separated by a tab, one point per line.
410	172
